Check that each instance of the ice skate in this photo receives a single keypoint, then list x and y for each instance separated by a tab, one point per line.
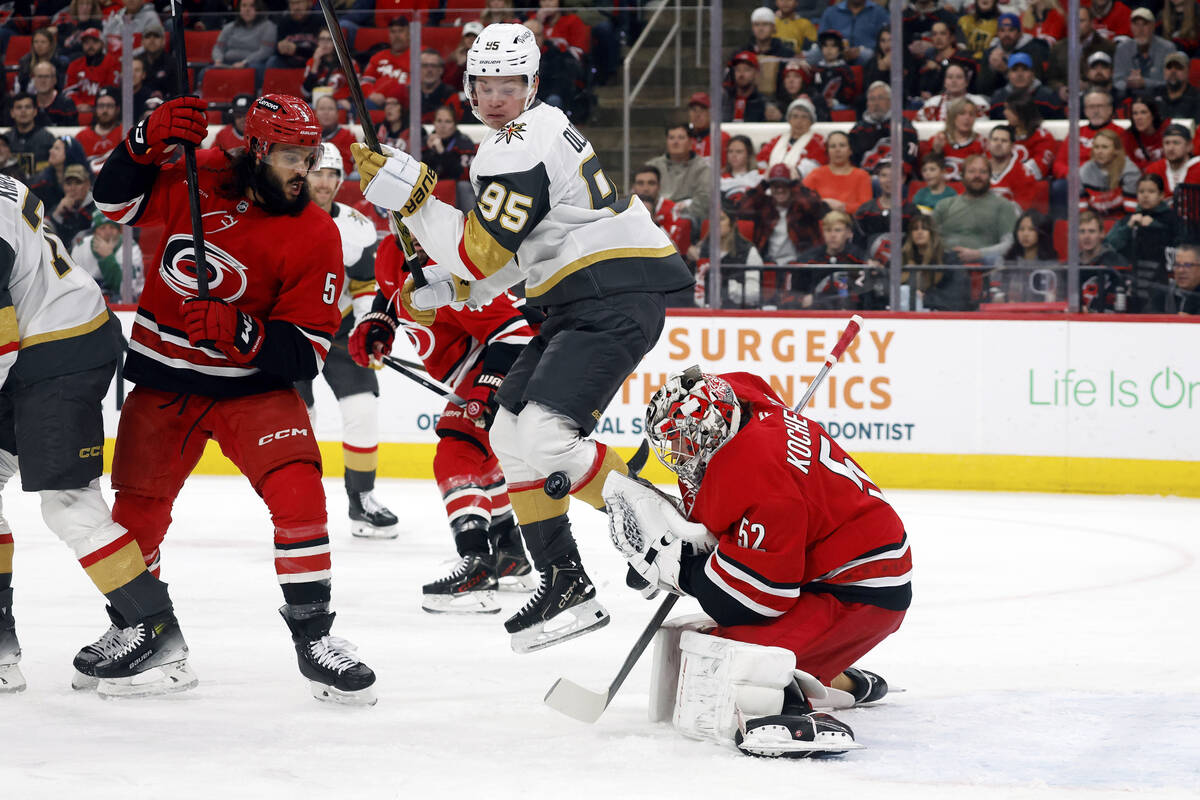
868	687
470	588
152	660
109	643
11	679
514	573
370	519
795	732
333	671
563	607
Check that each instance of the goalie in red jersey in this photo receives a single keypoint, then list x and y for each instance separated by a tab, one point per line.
787	545
222	367
470	351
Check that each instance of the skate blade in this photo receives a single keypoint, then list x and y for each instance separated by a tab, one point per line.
774	741
331	694
165	679
464	603
518	583
583	618
11	679
362	530
81	682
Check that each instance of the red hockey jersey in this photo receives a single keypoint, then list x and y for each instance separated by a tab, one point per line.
1039	148
84	81
387	73
96	146
792	513
283	270
1017	181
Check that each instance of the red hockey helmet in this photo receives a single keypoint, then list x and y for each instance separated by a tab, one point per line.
281	119
688	419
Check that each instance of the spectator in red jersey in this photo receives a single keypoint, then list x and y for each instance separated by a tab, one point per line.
843	186
700	123
53	106
1145	131
1009	41
647	183
325	71
104	134
1108	179
1110	19
91	72
801	148
1013	177
958	140
1021	84
787	216
326	109
1146	238
70	23
434	93
386	74
1179	25
560	78
1177	164
1090	43
233	136
740	176
1177	98
449	152
566	29
955	81
743	102
1139	61
1044	20
1098	108
1029	139
247	41
791	86
297	36
1029	270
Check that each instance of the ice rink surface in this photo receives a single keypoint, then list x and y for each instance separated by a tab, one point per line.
1051	652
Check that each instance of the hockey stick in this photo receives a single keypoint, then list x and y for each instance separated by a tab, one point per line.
852	329
372	141
189	155
429	383
585	705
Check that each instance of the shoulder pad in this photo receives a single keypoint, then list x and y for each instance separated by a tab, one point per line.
521	144
354	226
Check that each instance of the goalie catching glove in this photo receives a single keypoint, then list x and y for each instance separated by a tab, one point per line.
648	530
396	181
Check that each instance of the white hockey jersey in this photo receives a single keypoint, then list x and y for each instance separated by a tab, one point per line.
358	256
53	319
548	215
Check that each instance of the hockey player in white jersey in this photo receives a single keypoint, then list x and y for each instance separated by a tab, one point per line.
59	348
597	265
356	388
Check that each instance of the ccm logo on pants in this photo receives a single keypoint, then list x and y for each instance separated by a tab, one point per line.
283	434
92	452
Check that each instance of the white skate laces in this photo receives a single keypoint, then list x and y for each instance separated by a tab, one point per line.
130	639
370	504
110	643
333	652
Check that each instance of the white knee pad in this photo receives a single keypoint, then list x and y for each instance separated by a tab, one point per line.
80	518
360	420
551	443
507	446
720	677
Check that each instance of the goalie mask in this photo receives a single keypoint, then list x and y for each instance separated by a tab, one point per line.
689	419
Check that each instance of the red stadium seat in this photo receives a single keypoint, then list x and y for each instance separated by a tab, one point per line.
283	81
222	85
444	40
85	118
1193	71
386	9
1040	200
459	12
444	190
349	193
215	117
1060	238
366	38
682	237
746	228
844	115
18	46
200	45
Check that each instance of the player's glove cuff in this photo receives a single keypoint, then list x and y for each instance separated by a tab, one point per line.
421	316
397	182
372	338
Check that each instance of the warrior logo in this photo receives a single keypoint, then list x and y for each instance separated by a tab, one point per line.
420	337
226	275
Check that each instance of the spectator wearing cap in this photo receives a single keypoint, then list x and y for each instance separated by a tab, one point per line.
743	102
247	41
977	224
859	22
873	218
700	124
801	148
53	106
98	253
1110	19
1098	76
978	27
792	28
48	183
296	36
161	71
104	133
1177	164
685	177
139	13
233	136
787	216
1090	43
1177	98
839	183
69	24
1139	61
73	213
560	80
386	74
873	132
1022	84
955	82
791	86
30	142
833	80
763	41
1009	40
647	186
91	72
457	63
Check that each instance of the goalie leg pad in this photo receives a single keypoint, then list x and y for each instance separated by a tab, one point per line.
664	671
720	678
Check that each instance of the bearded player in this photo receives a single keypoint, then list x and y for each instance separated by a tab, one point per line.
356	388
222	367
787	545
598	266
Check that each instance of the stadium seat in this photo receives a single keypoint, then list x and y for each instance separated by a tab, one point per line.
1040	199
1060	238
18	46
215	117
444	190
460	12
366	38
1193	70
200	45
444	40
746	229
222	85
283	81
349	193
85	118
386	9
844	115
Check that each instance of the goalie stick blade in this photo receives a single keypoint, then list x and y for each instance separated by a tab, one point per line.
569	698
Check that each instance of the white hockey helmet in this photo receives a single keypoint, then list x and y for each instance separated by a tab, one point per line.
504	48
331	158
689	419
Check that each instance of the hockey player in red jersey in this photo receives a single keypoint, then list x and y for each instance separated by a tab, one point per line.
222	367
470	351
788	546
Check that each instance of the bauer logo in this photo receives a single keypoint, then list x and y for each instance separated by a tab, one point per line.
226	275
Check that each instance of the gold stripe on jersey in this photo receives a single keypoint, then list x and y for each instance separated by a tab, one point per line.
594	258
114	571
10	333
485	252
357	287
67	333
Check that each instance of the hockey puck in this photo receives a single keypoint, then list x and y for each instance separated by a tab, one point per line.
557	485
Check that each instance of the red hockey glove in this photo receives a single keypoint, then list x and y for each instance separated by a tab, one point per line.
372	339
180	121
481	400
216	323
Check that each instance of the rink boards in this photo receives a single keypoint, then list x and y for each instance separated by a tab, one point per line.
1002	402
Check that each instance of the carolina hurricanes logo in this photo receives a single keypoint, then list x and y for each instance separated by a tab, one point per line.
420	337
217	221
226	275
